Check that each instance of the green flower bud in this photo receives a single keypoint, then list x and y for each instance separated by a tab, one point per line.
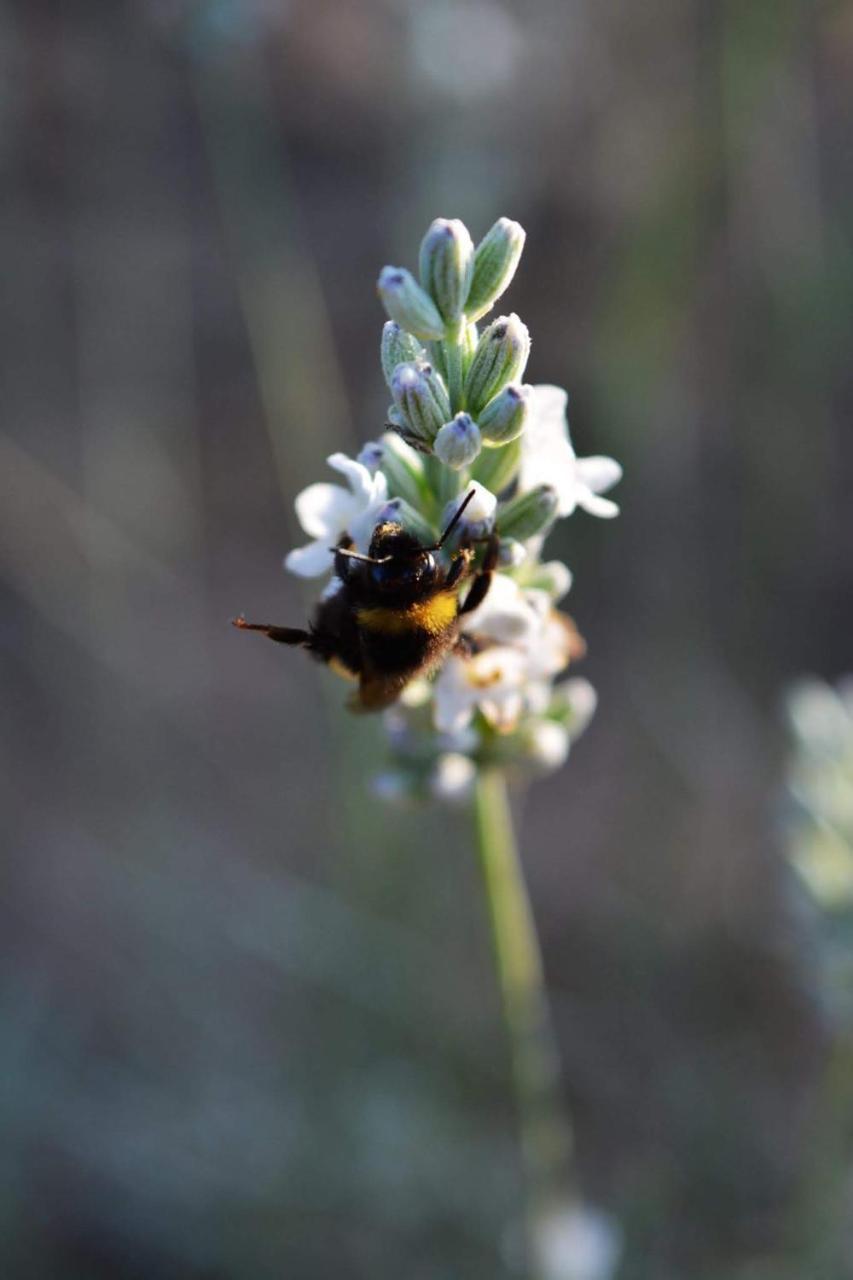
470	338
447	263
497	468
505	417
444	483
397	347
406	302
528	514
403	469
495	262
421	397
443	353
500	358
458	442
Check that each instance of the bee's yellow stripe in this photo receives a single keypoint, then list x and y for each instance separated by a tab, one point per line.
433	615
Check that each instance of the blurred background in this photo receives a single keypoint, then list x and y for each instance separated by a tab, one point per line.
248	1022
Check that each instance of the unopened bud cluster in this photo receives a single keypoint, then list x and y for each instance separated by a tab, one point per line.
476	374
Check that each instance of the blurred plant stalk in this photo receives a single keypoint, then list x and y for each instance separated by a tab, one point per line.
545	1132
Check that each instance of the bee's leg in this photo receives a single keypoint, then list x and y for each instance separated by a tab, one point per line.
483	580
464	646
458	566
283	635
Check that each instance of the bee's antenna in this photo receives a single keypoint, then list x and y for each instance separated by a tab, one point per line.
356	555
416	551
453	523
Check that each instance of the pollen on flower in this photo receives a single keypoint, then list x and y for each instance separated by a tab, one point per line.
485	679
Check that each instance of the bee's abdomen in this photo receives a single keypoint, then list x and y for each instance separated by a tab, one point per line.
431	616
398	652
408	639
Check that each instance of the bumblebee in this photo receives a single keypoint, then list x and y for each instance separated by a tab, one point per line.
390	615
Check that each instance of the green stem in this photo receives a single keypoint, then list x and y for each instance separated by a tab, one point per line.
545	1135
453	354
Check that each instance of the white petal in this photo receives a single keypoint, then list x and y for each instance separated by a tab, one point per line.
538	696
324	510
560	576
452	718
581	699
416	693
495	674
358	477
482	506
596	506
331	588
370	456
599	474
310	561
576	1243
488	680
452	704
549	651
550	461
549	404
540	604
818	715
505	712
362	526
504	614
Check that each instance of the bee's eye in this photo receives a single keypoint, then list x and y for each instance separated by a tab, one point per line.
427	561
403	571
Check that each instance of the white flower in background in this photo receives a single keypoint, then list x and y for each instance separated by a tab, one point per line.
822	717
547	457
326	511
820	782
576	1243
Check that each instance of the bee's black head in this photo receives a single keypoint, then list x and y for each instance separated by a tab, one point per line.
391	539
404	565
